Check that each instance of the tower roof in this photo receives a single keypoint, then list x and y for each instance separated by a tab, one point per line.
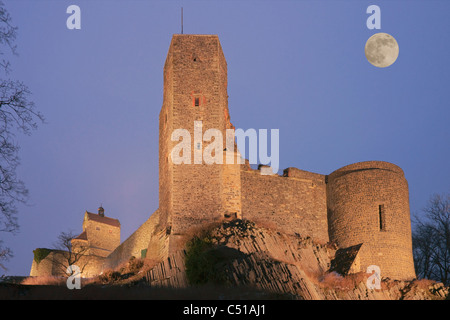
102	219
81	236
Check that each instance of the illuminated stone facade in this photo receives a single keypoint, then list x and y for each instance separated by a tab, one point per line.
363	205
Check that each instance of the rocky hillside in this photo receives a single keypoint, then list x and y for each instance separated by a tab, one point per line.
239	254
233	260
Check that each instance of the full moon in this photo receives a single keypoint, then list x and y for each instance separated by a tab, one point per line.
381	50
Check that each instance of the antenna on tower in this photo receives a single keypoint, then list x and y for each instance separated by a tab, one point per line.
181	20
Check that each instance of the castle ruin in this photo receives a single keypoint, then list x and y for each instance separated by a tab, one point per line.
363	205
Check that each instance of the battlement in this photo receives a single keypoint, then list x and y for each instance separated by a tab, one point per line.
304	175
291	172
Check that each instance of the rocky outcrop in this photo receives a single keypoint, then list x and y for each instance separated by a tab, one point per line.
169	273
291	267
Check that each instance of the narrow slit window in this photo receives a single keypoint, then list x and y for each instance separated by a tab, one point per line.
381	217
196	101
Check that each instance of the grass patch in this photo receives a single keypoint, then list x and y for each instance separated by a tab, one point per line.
40	254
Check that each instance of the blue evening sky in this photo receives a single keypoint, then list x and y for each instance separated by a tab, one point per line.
297	66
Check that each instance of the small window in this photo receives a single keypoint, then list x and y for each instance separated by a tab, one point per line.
199	145
196	101
381	217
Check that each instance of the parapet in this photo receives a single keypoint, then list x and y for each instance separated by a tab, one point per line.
292	172
364	166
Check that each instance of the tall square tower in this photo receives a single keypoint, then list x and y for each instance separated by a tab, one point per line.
194	194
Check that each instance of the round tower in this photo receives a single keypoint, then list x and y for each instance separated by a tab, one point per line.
368	204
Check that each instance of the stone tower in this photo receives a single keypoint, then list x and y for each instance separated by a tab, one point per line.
100	236
194	194
368	204
362	207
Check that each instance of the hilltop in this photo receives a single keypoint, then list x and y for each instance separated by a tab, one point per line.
235	259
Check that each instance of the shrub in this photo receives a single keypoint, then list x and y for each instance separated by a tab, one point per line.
40	254
110	276
135	265
202	260
334	280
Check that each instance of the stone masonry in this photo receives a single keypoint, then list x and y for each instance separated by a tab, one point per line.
363	205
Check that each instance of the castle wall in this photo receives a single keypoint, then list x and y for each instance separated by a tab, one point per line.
294	203
56	263
92	265
368	202
134	244
43	268
158	246
165	144
231	186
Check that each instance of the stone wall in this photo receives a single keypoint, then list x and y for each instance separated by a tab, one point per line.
56	263
43	267
165	144
231	185
368	203
134	244
294	203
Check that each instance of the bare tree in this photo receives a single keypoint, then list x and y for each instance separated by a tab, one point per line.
17	115
5	254
431	240
72	255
